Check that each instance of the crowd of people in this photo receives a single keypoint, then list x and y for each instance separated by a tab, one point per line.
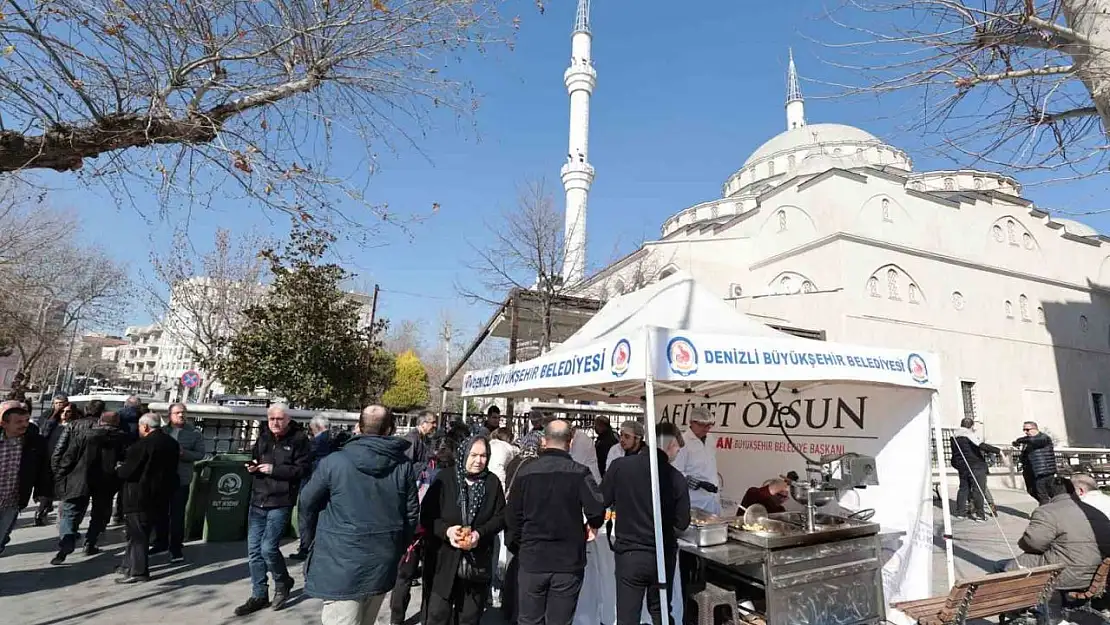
478	517
122	467
472	515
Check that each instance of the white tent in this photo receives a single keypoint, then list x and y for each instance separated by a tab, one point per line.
676	337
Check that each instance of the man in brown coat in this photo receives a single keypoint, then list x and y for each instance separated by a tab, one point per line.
1061	531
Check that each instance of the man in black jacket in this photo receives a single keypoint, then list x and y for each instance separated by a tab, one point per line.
51	429
544	529
70	463
282	457
1038	462
101	450
606	440
149	477
627	490
971	466
24	465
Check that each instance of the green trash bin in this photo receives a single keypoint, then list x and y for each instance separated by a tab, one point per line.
228	493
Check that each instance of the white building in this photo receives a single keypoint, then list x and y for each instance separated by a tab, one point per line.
827	229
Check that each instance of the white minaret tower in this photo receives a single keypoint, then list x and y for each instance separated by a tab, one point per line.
795	105
577	173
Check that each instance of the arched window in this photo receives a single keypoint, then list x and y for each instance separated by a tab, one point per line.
790	162
949	184
836	152
978	183
1011	232
808	287
667	272
873	287
915	294
770	168
886	210
892	284
1027	241
1023	306
1040	315
782	221
618	288
1009	310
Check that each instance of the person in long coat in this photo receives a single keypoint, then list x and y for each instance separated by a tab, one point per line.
465	511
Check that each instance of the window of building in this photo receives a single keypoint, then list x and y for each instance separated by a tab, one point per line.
1011	232
1040	315
1023	305
1083	325
967	395
782	221
978	183
915	294
770	168
836	152
790	161
873	287
1009	309
1098	409
886	210
892	284
949	184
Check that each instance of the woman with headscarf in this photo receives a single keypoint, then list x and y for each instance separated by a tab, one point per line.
463	512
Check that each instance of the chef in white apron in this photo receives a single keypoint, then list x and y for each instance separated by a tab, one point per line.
698	462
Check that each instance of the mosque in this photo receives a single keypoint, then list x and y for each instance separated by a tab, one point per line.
829	232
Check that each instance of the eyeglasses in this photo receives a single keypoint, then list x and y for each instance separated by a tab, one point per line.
1026	429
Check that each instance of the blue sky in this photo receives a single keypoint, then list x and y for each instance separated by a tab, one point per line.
683	97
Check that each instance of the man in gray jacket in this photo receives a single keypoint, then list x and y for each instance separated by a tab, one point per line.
1061	532
169	528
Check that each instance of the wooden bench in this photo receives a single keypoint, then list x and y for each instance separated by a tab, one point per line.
990	595
1080	600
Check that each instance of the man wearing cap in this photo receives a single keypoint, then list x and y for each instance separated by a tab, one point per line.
630	442
698	462
24	465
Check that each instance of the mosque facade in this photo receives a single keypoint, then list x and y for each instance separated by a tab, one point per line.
830	232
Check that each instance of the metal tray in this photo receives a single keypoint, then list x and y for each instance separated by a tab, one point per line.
787	529
706	535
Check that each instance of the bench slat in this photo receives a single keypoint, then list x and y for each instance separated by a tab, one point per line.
994	594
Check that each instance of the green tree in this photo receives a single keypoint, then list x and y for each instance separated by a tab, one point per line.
410	384
305	341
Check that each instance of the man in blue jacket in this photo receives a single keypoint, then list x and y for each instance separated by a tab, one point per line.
372	511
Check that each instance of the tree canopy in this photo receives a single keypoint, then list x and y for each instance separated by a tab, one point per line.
306	341
410	384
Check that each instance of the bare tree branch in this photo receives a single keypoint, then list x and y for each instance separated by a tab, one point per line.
247	94
990	73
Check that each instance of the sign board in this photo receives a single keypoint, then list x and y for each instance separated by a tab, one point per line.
190	379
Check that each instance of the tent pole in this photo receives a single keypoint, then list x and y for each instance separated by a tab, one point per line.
653	463
938	443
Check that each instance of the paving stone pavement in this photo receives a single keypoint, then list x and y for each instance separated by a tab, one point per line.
205	589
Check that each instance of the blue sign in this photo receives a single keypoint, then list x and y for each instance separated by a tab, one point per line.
190	379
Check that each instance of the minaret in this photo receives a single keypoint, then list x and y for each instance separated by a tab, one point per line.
577	173
795	105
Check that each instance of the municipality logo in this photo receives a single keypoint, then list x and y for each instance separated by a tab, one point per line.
229	484
682	357
622	353
918	370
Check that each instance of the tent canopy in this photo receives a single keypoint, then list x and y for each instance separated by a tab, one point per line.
690	341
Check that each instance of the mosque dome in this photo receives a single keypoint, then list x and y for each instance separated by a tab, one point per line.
809	135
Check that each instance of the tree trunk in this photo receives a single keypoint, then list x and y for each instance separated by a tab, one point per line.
202	390
1090	19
